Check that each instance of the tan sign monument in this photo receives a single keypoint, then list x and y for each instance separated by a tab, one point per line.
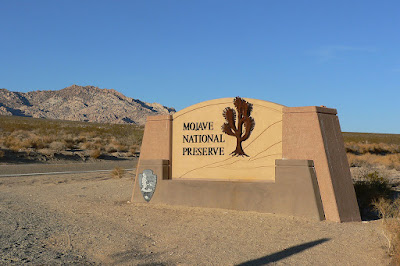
248	154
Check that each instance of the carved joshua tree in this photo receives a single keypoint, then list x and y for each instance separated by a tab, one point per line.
243	119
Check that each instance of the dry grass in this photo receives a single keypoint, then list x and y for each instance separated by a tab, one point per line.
369	149
117	172
23	136
368	138
391	161
373	148
389	211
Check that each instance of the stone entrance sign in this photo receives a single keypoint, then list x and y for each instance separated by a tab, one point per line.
202	150
248	154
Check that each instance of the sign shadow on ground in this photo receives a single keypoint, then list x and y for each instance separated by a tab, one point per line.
277	256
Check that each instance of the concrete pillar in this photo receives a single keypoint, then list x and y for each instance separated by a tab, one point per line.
313	133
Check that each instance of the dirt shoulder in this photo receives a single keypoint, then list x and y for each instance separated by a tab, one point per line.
85	219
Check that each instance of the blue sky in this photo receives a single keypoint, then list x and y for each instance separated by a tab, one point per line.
341	54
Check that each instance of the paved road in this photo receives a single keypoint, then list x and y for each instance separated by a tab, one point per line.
26	169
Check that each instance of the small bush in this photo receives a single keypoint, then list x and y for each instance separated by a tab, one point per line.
1	154
48	139
95	154
57	146
98	140
117	172
369	188
70	143
47	152
90	146
110	148
122	148
389	211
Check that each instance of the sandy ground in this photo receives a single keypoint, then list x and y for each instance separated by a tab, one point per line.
85	219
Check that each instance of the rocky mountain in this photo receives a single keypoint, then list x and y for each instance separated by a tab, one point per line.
79	103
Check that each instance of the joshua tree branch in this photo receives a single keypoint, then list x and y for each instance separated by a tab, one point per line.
230	117
227	130
249	125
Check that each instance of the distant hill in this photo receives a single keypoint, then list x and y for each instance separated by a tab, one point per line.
79	103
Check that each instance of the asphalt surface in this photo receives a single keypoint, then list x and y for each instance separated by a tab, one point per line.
26	169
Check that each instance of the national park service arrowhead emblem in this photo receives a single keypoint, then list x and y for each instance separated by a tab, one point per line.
147	183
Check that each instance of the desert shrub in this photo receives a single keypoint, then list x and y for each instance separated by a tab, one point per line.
70	142
81	138
47	152
98	140
35	143
133	149
88	145
24	134
389	212
21	140
1	154
95	154
117	172
369	188
124	148
391	161
356	160
13	143
47	139
110	148
91	134
57	146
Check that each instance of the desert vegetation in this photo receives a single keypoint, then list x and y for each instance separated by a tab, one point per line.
389	212
371	185
375	161
24	139
378	197
369	149
117	172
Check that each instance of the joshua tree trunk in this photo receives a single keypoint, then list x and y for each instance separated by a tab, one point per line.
239	150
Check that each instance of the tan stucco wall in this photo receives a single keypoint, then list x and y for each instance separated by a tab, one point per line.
157	142
313	133
264	145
